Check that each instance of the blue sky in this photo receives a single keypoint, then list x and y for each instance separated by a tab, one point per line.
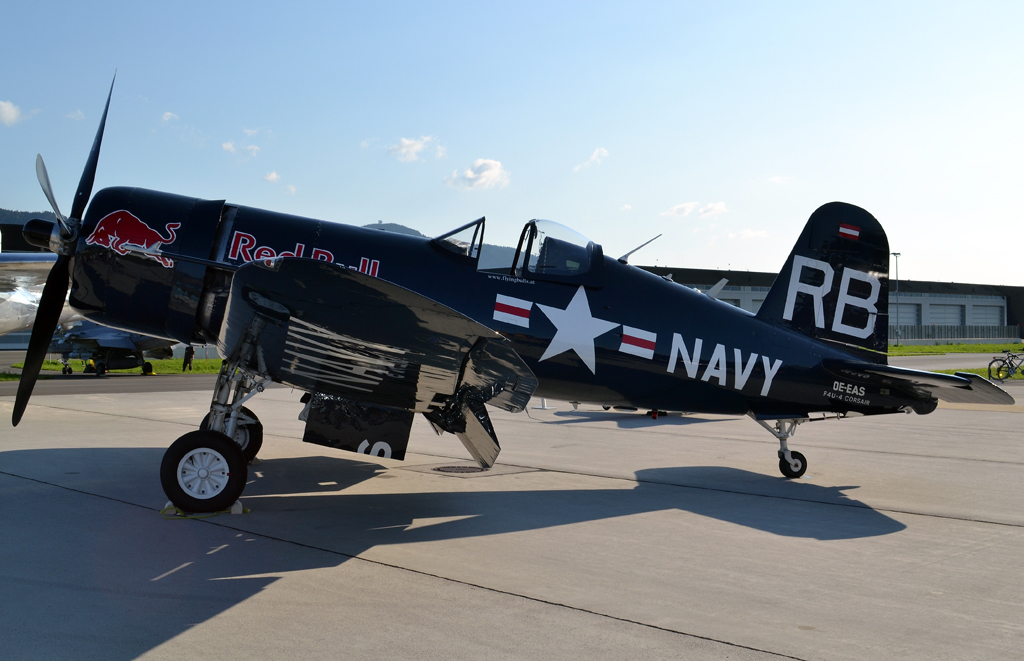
721	125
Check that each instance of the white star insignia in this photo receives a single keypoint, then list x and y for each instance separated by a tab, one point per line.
576	329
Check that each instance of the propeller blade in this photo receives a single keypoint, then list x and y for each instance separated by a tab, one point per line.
89	173
50	305
44	181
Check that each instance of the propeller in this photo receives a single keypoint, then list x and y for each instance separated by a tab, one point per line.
51	303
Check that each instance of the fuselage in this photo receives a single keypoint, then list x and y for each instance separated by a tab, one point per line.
617	335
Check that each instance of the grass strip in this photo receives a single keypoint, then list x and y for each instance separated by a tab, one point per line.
939	349
168	366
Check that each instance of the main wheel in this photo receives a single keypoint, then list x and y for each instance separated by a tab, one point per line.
203	471
101	369
147	368
998	370
788	471
248	435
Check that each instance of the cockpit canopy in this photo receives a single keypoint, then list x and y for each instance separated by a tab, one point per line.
547	251
547	248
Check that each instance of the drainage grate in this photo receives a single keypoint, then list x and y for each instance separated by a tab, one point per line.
459	469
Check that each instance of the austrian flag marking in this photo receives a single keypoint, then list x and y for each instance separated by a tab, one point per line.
512	310
638	342
849	231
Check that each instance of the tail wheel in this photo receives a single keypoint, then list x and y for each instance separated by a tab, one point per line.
998	370
248	435
788	470
203	471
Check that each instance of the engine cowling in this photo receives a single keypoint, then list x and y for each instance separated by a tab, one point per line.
115	284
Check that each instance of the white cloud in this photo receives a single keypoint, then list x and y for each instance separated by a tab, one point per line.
272	177
484	173
168	116
366	143
252	149
250	132
291	189
680	210
712	209
748	234
626	207
407	150
78	115
596	157
781	181
10	114
441	151
228	146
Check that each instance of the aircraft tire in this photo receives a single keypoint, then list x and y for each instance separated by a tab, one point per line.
101	369
788	471
998	370
249	437
147	367
203	471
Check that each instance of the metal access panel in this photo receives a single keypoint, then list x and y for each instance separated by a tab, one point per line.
346	425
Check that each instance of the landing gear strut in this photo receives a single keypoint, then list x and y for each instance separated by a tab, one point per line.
205	470
792	464
248	432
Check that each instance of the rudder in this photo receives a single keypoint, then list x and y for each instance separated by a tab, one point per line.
835	284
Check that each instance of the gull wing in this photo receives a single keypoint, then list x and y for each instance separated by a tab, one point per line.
340	333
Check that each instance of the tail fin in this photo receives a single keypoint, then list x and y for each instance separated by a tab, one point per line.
835	284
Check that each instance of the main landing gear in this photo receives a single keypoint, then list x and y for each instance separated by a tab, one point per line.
206	470
792	464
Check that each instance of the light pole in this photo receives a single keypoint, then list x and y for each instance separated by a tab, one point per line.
898	332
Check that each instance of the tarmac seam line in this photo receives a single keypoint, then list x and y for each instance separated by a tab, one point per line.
418	572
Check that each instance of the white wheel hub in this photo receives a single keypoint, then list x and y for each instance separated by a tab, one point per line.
203	473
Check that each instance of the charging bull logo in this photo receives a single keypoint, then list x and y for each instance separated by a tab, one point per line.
121	231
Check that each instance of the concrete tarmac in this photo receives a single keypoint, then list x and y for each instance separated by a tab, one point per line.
599	535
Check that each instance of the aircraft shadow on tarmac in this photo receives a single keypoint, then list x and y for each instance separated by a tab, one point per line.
627	420
121	612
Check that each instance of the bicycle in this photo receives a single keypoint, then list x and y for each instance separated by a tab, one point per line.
1001	369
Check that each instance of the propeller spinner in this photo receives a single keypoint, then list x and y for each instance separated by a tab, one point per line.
63	238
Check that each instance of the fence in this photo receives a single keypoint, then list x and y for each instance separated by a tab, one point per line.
943	332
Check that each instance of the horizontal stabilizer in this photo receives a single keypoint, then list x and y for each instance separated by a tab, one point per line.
962	387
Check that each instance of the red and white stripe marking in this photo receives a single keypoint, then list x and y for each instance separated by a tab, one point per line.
512	310
638	342
368	266
849	231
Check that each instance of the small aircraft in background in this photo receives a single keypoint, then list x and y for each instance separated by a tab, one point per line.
377	327
22	276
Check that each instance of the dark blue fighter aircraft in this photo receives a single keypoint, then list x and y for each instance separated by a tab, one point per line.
377	327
